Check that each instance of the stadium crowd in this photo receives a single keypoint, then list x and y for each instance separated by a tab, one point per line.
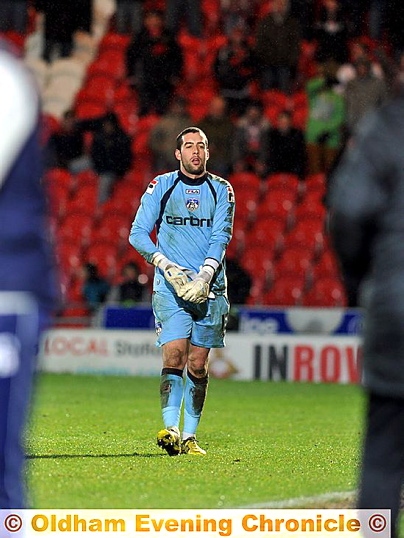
277	85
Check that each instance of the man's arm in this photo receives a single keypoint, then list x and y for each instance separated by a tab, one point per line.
139	237
197	290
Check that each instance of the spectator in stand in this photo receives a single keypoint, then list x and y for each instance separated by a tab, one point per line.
378	19
395	25
84	15
250	138
65	148
356	15
13	16
95	287
304	12
278	40
284	149
191	9
220	131
238	14
325	125
131	291
331	33
234	70
358	51
238	281
154	64
60	25
129	16
363	94
111	154
165	132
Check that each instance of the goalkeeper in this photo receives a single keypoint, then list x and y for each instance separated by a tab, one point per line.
192	212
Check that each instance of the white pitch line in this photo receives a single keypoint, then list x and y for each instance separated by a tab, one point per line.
302	501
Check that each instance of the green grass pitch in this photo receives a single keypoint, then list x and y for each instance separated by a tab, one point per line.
91	444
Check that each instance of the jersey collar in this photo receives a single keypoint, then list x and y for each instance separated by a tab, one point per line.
188	181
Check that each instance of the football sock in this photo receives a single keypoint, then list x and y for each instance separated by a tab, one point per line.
171	393
194	399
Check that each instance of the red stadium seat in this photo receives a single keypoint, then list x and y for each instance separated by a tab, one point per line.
112	41
245	181
277	203
285	291
237	244
84	199
267	233
258	263
68	256
246	211
133	255
113	229
309	234
325	266
76	227
60	177
88	109
284	181
326	292
58	196
98	89
310	208
294	262
105	256
86	177
316	182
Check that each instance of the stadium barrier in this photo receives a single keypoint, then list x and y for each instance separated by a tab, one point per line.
264	320
276	357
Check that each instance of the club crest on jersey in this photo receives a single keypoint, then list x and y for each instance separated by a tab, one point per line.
192	204
151	186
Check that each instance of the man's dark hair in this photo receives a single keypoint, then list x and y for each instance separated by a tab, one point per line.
180	137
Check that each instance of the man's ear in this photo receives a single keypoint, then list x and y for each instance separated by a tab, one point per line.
207	154
178	154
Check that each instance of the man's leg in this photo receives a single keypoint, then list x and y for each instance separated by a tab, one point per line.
382	470
196	386
171	394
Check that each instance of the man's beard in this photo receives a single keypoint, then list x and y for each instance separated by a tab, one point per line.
195	171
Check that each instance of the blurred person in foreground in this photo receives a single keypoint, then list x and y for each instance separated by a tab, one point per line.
27	282
367	224
192	212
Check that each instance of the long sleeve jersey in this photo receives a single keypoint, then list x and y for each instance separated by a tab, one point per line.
193	221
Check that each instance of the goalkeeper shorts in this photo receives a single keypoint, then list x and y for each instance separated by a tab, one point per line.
203	324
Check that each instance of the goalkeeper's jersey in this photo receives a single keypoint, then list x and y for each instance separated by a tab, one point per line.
193	221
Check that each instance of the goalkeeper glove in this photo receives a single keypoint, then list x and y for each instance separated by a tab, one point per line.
197	290
174	274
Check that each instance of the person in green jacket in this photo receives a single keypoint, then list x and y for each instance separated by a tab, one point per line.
325	124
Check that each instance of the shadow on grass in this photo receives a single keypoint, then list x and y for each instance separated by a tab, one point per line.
70	456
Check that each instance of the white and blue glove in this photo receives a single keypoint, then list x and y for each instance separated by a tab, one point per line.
173	273
197	290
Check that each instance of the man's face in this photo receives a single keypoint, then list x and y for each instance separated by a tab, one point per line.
193	155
